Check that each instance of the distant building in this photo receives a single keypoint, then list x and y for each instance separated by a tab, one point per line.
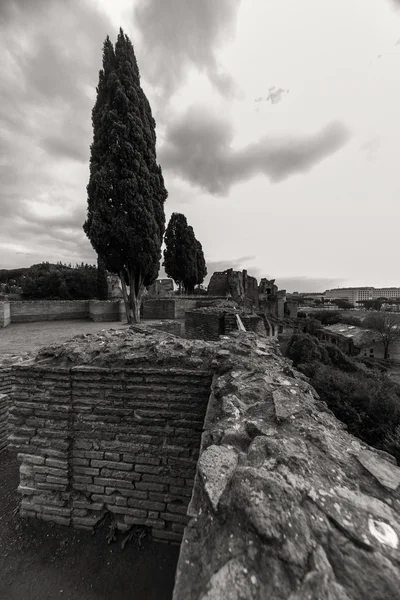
358	294
356	341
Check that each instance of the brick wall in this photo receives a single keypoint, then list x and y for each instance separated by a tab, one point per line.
48	310
174	308
158	308
203	326
96	440
5	390
102	310
4	314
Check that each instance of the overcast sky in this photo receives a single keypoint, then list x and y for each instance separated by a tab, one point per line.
277	122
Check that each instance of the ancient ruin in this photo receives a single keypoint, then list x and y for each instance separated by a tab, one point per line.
221	442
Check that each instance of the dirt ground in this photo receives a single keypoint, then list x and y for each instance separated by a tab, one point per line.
40	561
24	337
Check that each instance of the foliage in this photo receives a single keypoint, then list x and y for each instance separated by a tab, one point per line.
126	193
362	398
327	317
184	259
47	281
371	304
101	280
387	328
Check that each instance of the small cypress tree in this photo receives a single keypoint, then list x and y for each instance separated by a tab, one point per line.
183	255
126	193
180	251
201	264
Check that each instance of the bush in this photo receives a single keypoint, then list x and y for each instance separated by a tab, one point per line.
364	399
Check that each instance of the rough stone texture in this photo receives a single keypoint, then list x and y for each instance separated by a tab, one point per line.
299	517
285	505
240	286
5	317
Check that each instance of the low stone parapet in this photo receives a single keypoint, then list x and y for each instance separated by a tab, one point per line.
5	314
104	310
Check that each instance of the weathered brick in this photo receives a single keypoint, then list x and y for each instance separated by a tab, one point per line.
121	466
167	535
57	463
127	493
86	471
31	459
146	504
174	517
155	487
119	483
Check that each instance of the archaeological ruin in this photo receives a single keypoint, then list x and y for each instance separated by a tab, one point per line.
220	446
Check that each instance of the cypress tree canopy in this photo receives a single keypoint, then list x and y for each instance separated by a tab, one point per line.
126	194
183	255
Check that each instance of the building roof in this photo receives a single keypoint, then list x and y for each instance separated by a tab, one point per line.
359	336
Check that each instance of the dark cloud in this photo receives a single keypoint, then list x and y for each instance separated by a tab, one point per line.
178	34
51	53
199	150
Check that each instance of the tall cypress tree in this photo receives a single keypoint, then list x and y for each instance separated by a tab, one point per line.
126	193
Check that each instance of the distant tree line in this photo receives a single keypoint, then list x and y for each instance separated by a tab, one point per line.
58	281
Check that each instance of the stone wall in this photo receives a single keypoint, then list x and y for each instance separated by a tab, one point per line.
203	326
4	402
48	310
173	308
5	390
5	317
97	440
286	504
158	308
25	311
102	310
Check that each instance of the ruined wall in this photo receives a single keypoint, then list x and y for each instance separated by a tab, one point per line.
158	308
286	504
162	287
173	308
237	284
203	325
4	403
5	317
25	311
92	440
5	390
102	310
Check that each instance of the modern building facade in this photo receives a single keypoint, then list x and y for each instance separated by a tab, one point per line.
357	294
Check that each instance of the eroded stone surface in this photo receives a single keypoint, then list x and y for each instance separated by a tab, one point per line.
286	504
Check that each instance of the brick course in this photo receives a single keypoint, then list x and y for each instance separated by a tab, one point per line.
92	440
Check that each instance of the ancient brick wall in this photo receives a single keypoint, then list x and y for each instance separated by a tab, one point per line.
93	440
203	325
102	310
158	308
173	308
48	310
4	314
4	401
5	390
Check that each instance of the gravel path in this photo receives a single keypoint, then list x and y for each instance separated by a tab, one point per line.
24	337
